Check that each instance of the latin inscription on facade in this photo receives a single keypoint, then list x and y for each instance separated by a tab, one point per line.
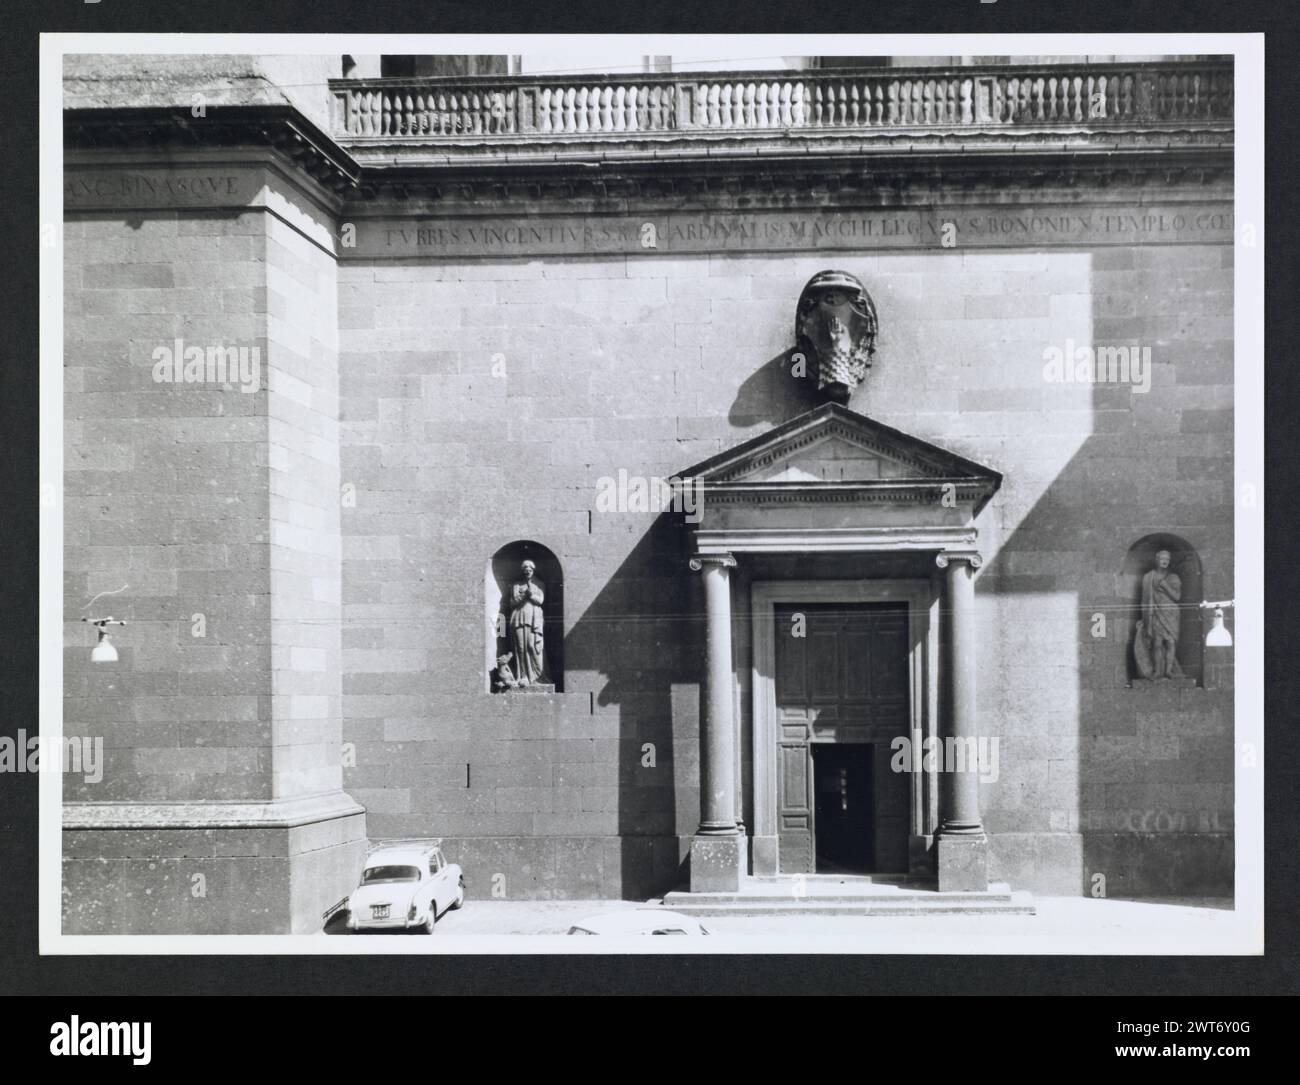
1185	223
1204	222
127	189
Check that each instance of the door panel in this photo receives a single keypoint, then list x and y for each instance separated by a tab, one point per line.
794	814
845	682
824	669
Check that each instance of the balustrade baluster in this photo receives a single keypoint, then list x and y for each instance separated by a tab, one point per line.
580	110
617	107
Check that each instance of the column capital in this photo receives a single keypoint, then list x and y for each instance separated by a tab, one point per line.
946	557
699	561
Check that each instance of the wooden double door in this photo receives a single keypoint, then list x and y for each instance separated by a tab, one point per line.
842	696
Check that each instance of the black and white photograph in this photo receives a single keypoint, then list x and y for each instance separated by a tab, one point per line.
796	493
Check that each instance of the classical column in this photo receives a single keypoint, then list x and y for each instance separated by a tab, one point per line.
717	852
961	846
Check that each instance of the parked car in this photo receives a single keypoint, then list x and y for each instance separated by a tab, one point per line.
404	887
639	921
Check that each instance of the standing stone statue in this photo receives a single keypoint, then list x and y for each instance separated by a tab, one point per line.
525	625
1156	644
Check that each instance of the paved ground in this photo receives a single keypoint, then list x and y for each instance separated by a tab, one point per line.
1062	925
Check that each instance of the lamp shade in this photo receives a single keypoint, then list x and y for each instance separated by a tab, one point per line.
103	652
1218	636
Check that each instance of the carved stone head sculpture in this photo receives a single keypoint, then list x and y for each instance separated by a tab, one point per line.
836	327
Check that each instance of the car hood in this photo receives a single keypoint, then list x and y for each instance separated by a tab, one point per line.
398	894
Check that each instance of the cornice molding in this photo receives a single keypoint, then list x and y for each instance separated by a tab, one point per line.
704	169
278	127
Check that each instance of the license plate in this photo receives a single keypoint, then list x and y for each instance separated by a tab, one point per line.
379	911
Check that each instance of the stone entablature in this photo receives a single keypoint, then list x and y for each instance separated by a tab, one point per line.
929	171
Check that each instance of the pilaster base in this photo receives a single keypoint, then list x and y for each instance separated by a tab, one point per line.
765	855
962	863
209	868
717	863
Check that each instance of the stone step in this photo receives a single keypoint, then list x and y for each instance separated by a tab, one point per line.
822	895
760	908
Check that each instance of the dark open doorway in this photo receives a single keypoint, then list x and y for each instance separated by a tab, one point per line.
843	820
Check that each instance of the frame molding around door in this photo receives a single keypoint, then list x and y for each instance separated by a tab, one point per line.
923	599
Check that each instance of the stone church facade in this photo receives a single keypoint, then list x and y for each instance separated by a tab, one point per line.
496	319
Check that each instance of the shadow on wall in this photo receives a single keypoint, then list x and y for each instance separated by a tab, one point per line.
773	394
641	640
1108	790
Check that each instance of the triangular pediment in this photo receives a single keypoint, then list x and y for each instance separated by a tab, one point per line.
834	445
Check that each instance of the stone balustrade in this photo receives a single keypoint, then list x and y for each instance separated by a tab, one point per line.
1065	95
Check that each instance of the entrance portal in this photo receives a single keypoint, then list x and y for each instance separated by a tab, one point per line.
842	696
843	830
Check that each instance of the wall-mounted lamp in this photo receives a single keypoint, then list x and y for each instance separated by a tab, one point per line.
103	652
1218	636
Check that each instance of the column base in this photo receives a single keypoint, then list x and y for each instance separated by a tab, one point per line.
717	863
962	863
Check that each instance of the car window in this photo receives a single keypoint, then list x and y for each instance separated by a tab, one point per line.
375	874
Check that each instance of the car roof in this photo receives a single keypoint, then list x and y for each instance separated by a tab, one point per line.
635	920
398	856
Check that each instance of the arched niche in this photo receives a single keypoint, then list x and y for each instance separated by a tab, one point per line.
1183	560
503	570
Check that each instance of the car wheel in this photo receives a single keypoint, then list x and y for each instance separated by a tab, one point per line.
460	895
432	921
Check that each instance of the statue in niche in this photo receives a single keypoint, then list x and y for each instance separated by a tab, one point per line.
1155	645
525	625
836	326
